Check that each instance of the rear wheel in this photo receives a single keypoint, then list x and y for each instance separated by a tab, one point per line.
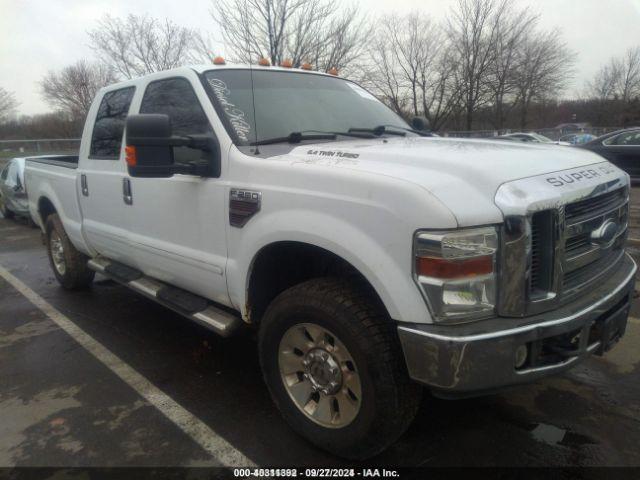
333	364
68	264
4	210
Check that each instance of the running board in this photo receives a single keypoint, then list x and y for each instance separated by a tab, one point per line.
191	306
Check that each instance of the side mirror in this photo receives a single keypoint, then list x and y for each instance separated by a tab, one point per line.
149	149
420	123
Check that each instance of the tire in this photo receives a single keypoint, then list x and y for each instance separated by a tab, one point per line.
387	400
68	264
4	210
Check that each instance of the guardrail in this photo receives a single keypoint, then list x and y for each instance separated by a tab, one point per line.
40	146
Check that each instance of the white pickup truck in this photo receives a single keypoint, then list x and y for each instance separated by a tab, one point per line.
370	257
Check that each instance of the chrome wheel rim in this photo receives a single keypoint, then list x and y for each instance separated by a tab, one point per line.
57	253
320	376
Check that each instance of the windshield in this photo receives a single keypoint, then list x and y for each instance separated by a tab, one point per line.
287	102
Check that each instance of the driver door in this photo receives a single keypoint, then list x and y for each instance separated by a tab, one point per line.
177	224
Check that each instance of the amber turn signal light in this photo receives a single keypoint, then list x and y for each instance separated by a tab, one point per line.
449	269
130	155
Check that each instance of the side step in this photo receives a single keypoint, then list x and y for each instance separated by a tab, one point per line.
191	306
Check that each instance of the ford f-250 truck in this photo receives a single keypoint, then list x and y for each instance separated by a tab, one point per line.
370	257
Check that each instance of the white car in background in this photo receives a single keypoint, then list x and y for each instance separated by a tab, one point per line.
13	192
13	196
533	137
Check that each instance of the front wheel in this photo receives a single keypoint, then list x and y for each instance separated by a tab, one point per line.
333	364
68	264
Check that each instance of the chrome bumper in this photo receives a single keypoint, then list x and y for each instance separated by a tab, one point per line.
459	360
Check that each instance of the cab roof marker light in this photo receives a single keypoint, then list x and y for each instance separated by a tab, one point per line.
219	61
264	62
286	63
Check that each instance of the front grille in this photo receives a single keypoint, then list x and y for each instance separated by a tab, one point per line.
541	251
594	206
581	276
577	244
582	260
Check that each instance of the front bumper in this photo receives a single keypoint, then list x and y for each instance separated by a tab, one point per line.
459	360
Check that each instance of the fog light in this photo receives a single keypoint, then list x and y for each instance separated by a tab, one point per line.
521	356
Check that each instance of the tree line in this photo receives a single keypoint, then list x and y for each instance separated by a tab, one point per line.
487	65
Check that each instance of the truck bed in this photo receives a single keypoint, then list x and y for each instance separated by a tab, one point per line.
66	161
53	181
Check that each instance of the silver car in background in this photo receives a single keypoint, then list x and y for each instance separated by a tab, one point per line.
13	194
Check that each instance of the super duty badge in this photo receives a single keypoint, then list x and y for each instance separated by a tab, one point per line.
580	175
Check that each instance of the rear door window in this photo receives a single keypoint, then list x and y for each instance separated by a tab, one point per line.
106	139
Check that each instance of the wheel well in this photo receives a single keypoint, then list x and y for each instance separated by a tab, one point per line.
282	265
45	208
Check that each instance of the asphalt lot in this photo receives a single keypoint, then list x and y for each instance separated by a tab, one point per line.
168	393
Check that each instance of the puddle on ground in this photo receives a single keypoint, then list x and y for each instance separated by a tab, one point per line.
552	435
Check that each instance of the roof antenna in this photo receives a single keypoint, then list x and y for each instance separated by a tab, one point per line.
253	101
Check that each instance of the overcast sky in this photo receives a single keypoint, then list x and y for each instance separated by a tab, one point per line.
39	35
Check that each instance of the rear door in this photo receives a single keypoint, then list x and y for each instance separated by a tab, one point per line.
101	172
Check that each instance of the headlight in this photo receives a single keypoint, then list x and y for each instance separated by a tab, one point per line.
456	271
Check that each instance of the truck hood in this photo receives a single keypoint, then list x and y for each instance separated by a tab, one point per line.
464	174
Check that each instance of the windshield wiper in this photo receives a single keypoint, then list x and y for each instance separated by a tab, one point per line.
381	129
377	131
295	137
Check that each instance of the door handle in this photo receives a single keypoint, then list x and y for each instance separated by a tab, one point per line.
126	191
83	185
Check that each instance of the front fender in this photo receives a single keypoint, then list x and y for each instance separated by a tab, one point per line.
373	257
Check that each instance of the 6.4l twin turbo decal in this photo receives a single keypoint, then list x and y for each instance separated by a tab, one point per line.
332	153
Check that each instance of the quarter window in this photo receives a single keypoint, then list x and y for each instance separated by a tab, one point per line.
106	139
176	98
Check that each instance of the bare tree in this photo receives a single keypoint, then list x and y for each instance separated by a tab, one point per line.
410	67
628	85
618	79
315	31
473	29
604	84
138	45
8	104
544	65
513	27
73	88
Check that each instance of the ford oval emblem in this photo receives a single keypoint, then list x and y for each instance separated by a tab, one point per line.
605	234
